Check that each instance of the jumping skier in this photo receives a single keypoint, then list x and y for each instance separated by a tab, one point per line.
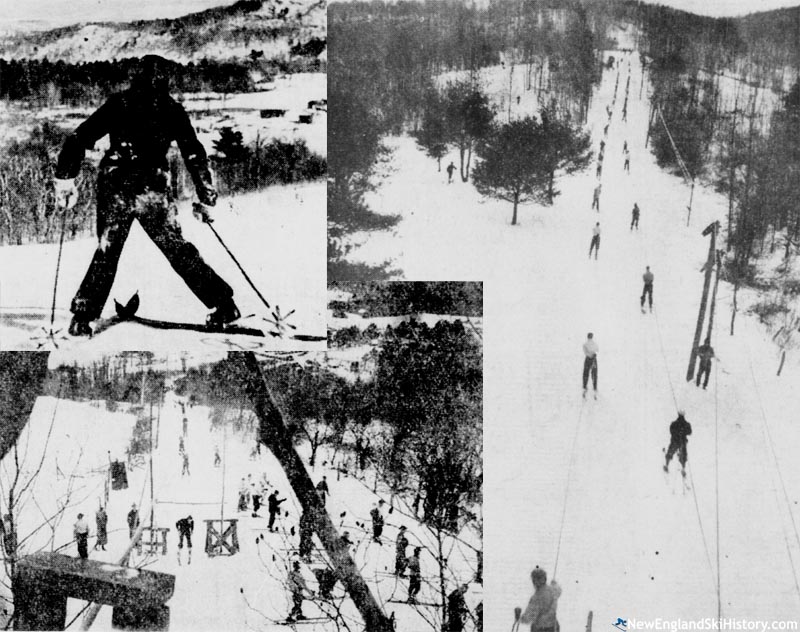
81	532
679	431
541	610
595	243
134	183
450	169
590	350
596	197
635	216
400	552
705	352
185	527
647	291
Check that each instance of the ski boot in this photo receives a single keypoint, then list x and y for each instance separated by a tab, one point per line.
225	313
79	326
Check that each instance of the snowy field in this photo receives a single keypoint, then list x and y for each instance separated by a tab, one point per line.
576	486
278	236
247	590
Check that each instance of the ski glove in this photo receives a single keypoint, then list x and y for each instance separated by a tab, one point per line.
207	195
66	192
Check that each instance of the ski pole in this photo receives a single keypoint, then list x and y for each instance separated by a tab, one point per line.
235	260
58	267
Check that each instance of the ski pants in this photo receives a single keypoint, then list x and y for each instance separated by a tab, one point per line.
705	370
83	544
413	586
121	198
596	202
594	245
590	366
297	601
647	292
256	503
400	562
272	515
635	222
680	448
181	536
377	529
627	165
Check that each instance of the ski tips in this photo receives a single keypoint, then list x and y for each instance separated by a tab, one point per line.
130	308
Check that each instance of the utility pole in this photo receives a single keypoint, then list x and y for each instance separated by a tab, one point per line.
709	268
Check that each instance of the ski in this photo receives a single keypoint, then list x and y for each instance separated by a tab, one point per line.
303	620
105	324
416	603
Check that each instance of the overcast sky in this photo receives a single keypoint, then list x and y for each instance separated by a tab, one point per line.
51	13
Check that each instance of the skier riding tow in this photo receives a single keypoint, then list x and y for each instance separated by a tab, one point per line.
679	431
590	350
647	291
134	183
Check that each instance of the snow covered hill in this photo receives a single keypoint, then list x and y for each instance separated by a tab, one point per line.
277	235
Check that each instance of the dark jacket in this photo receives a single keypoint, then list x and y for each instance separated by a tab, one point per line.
185	526
680	429
274	503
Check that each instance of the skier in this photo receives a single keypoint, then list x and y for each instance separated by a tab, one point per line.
541	610
377	522
134	182
599	173
243	495
590	350
273	506
322	489
595	243
679	431
647	291
181	445
133	520
450	169
298	588
705	353
185	527
624	146
217	458
101	519
400	552
256	496
627	164
415	577
81	532
605	130
185	426
635	216
185	469
596	197
456	609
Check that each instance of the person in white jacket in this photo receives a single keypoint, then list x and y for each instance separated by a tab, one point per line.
541	610
590	350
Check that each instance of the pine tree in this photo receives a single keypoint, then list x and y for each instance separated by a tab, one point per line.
469	119
564	148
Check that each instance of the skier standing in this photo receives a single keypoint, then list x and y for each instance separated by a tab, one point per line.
101	519
274	507
679	431
647	291
217	458
541	610
596	197
322	489
450	169
627	164
377	522
256	496
81	532
400	552
185	527
298	588
595	243
590	350
635	216
185	469
705	352
456	609
242	495
414	575
134	182
133	520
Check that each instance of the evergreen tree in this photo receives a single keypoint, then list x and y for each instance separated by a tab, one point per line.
469	119
564	147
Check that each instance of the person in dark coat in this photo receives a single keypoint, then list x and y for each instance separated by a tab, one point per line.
134	183
133	520
635	216
185	527
450	169
322	489
81	532
400	552
706	353
377	522
456	609
101	519
679	431
273	507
